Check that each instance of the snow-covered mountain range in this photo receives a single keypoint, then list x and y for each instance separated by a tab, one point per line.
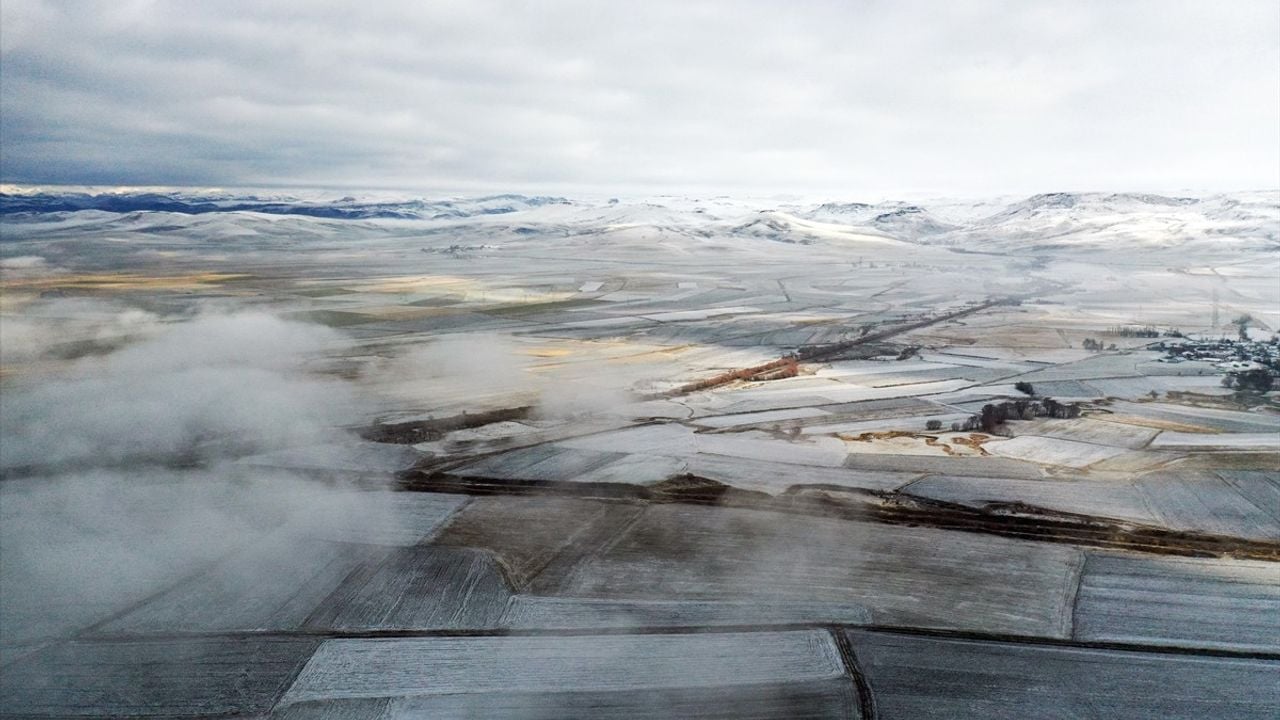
1052	221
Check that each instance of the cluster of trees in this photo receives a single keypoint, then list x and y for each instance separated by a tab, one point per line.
1146	331
1256	380
994	415
1091	344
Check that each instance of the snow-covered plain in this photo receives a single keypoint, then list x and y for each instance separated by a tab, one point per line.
524	365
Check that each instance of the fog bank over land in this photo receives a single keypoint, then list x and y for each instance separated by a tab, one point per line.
130	459
123	465
197	387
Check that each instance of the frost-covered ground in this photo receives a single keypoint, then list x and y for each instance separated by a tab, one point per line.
311	456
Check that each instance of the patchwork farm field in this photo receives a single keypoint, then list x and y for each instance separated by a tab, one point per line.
535	457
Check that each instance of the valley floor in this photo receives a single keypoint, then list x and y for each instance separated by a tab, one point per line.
541	508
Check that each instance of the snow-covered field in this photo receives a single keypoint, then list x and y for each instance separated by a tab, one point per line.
673	413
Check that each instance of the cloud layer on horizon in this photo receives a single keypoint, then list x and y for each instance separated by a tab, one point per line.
974	97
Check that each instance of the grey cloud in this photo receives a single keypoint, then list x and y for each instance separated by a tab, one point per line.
835	97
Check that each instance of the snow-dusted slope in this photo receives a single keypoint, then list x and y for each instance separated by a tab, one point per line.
1066	221
901	220
783	227
1041	223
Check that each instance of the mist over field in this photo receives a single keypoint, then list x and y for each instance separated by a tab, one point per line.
122	471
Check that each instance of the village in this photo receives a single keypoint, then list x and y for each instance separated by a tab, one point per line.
1225	353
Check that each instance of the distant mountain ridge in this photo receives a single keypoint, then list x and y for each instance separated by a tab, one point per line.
347	208
1064	220
1049	221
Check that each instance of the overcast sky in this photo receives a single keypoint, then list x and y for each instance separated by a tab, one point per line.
861	97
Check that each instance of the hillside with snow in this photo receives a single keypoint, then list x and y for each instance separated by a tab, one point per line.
1040	223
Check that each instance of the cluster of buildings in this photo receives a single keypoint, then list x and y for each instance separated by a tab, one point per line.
1226	353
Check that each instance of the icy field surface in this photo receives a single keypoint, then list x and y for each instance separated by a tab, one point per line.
512	456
